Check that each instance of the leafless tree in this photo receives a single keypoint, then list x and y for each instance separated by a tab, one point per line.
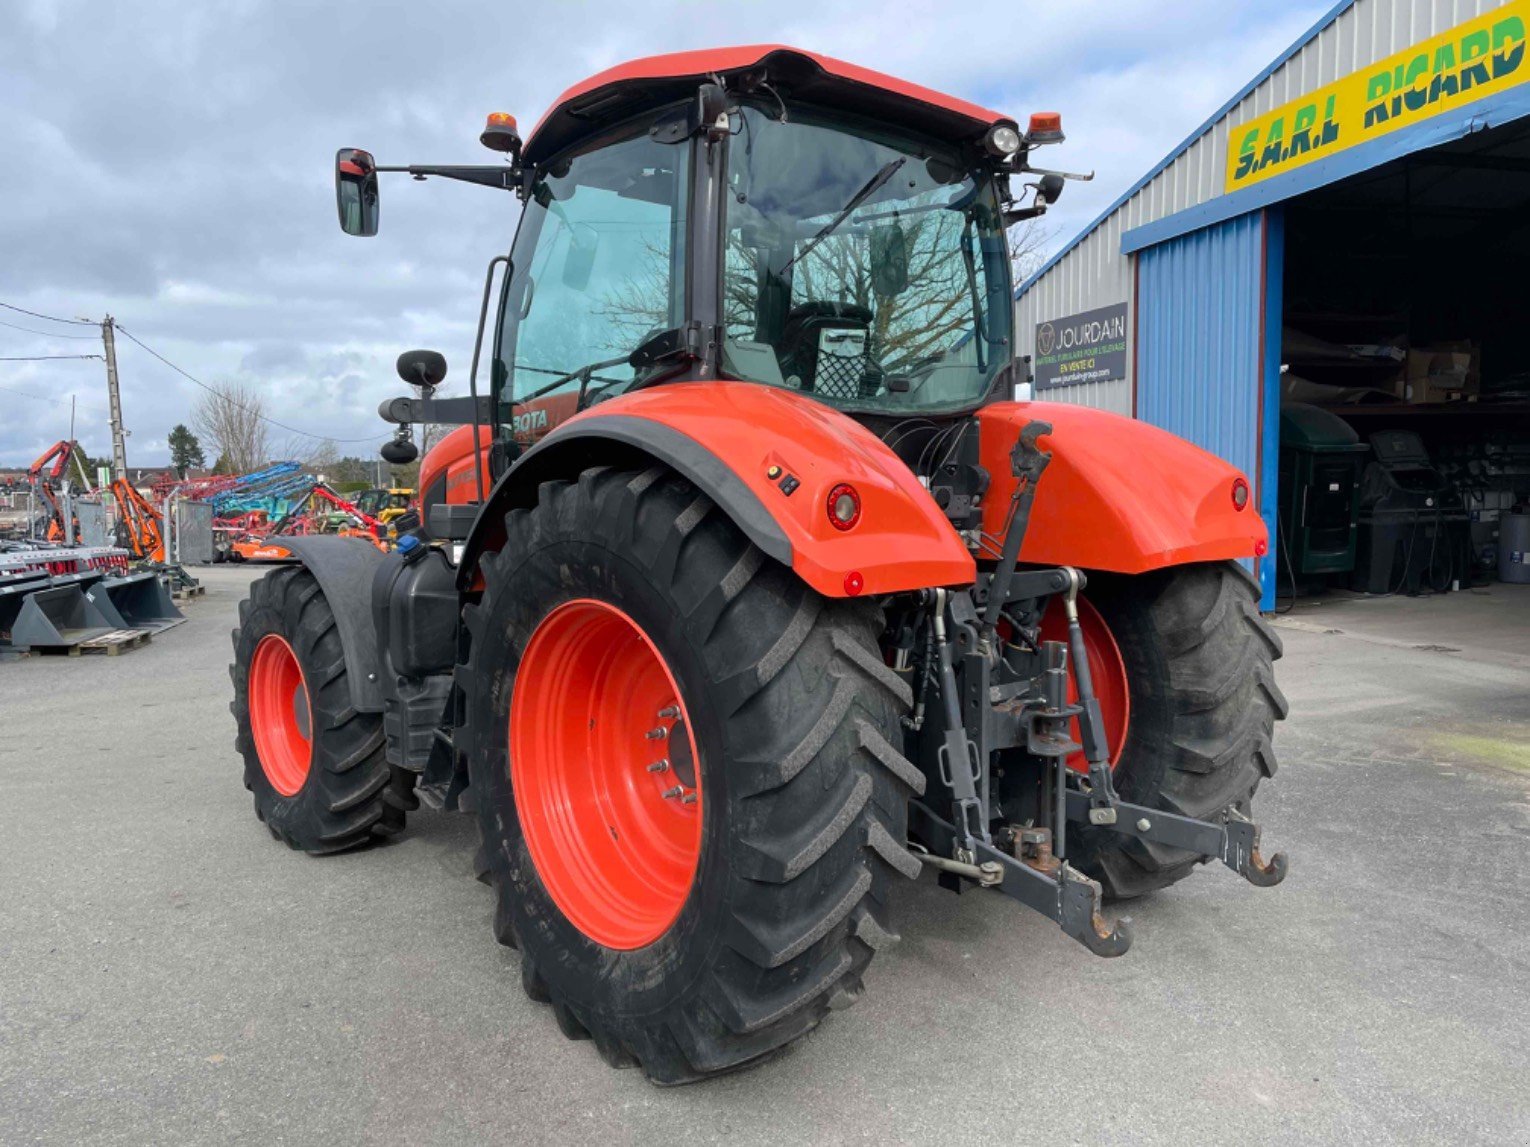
320	456
1029	245
231	416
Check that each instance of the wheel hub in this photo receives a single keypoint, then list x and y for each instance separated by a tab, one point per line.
603	765
280	719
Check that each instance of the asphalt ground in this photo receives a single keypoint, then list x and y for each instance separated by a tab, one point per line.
168	973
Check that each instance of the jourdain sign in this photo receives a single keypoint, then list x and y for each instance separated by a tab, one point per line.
1483	56
1087	347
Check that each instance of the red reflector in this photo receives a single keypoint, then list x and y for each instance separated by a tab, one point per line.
1239	493
844	506
1261	547
854	583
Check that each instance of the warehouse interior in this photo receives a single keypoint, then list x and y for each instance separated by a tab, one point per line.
1405	423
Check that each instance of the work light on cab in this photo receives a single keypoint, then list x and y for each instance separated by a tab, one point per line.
1002	140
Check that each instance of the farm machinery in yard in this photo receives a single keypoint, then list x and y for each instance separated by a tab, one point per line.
318	512
742	591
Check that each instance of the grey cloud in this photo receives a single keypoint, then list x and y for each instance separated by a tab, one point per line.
170	163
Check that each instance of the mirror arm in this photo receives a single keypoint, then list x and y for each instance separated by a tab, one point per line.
446	411
1020	214
488	175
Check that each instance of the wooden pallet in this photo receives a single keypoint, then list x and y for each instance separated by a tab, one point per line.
186	593
111	644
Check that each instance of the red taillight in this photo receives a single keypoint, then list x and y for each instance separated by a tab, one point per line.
844	506
854	583
1239	493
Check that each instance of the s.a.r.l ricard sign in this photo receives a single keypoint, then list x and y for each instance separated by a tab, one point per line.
1483	56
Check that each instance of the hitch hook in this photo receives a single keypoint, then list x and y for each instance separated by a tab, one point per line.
1243	855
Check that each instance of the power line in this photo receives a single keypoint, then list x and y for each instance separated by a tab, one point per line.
45	398
212	390
50	318
46	334
44	357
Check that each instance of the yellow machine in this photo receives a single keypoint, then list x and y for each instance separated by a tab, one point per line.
386	505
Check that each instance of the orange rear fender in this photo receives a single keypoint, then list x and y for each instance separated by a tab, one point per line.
1119	494
770	459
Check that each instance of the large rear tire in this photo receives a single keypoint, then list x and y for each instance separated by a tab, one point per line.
614	594
1199	666
314	764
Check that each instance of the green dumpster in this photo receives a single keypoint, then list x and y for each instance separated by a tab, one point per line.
1321	458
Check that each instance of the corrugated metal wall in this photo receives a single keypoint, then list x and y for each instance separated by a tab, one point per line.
1095	273
1200	360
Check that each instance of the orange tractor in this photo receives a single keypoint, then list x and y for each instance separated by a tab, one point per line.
743	591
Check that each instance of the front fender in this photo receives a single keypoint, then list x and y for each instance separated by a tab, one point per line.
725	437
344	568
1119	494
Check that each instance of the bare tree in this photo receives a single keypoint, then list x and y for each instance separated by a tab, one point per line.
1029	245
322	456
232	417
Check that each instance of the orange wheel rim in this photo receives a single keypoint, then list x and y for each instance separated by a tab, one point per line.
1107	671
280	714
606	775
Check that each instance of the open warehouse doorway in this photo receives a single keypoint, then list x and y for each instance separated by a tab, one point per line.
1405	417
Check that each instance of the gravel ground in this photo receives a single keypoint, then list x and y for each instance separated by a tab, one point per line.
168	973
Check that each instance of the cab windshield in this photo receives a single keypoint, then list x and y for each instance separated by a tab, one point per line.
866	270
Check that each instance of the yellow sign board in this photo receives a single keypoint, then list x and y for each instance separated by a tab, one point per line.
1475	59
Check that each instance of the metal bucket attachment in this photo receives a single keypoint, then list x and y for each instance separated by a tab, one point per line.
14	591
56	617
135	601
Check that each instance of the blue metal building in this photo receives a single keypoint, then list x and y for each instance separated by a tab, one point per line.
1187	267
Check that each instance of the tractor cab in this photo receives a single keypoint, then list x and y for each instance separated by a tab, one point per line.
759	214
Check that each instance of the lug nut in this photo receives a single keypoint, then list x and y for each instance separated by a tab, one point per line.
669	713
670	794
688	798
659	766
657	734
1144	824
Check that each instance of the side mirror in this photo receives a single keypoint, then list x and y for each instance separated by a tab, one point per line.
579	262
889	260
356	191
1051	187
399	451
423	368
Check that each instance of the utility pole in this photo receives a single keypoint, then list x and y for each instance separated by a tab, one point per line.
119	449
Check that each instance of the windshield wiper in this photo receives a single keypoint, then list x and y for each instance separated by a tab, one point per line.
583	374
870	188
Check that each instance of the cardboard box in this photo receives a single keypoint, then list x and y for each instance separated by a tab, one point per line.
1441	372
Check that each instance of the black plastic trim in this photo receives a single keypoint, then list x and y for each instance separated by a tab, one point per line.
344	568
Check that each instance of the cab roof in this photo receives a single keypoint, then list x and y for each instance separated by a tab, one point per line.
653	81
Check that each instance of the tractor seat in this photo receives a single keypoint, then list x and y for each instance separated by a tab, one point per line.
827	347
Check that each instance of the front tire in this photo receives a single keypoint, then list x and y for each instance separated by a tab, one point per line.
313	763
800	795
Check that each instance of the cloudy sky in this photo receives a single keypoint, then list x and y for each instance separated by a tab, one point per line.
170	163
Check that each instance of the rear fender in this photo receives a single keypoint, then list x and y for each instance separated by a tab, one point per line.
344	568
726	437
1119	494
